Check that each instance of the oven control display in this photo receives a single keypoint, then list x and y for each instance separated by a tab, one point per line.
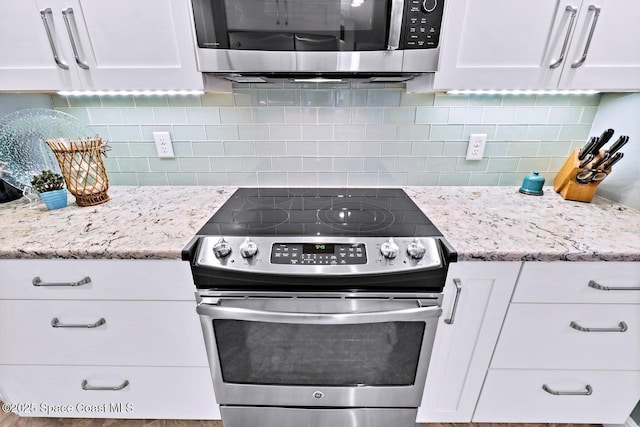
318	253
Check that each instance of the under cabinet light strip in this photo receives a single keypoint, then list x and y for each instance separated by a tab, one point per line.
129	92
522	92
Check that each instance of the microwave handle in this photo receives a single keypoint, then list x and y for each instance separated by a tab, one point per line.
395	24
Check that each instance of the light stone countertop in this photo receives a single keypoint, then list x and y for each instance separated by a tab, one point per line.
482	223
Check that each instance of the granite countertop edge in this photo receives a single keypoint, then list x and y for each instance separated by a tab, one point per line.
481	223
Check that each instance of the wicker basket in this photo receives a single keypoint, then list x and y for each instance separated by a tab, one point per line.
83	169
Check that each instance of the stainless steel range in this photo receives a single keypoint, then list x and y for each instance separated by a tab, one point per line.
319	306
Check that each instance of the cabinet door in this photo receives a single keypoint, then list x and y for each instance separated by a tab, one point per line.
27	61
495	44
463	346
613	57
143	44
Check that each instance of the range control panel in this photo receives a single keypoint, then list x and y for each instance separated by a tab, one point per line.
423	20
319	253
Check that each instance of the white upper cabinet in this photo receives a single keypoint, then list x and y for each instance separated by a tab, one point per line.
27	61
613	57
521	44
97	44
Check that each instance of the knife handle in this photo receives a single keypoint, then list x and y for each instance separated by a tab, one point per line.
612	161
586	161
587	148
618	144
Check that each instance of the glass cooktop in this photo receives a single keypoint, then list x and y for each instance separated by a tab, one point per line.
319	212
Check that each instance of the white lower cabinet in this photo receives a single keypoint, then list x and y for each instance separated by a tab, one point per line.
466	337
568	352
102	339
517	396
135	392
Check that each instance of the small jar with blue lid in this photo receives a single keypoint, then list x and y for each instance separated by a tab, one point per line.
532	184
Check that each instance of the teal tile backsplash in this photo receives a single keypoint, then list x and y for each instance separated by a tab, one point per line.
347	134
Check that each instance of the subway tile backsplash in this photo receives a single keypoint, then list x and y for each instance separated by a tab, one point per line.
347	134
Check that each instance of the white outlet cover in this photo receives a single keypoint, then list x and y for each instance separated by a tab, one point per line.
163	144
475	149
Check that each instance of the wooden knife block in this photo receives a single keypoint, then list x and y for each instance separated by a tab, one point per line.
566	184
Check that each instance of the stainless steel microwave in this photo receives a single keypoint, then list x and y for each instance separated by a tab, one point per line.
373	37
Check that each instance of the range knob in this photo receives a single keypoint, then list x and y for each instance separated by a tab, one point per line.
222	248
389	249
416	249
248	248
429	5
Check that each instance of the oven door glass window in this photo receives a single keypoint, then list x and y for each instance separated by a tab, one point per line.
370	354
292	25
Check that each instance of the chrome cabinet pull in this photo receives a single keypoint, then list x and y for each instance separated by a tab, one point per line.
587	391
395	24
59	62
85	386
595	285
458	285
622	327
55	322
65	15
574	12
38	282
596	14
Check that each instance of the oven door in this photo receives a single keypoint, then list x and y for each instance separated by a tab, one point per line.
323	352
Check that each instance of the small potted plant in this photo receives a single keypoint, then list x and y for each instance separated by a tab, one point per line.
50	187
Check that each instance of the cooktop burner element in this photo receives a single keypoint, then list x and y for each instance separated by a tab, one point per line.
319	239
319	212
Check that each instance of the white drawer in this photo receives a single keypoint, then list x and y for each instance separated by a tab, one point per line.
164	393
109	279
142	333
539	336
517	396
568	282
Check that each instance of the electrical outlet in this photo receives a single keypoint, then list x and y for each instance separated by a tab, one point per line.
475	149
163	144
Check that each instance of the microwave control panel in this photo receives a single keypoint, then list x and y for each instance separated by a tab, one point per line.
423	20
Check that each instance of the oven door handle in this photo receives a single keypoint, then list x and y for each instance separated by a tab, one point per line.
409	314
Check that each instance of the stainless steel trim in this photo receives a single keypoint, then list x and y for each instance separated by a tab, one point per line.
86	386
246	416
407	314
59	62
256	61
55	322
622	327
79	61
596	14
458	285
38	282
212	296
395	24
588	390
574	12
261	262
595	285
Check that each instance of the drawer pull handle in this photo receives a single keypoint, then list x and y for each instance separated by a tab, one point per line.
596	14
59	62
65	15
86	386
587	391
458	285
622	327
574	12
38	282
56	324
595	285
